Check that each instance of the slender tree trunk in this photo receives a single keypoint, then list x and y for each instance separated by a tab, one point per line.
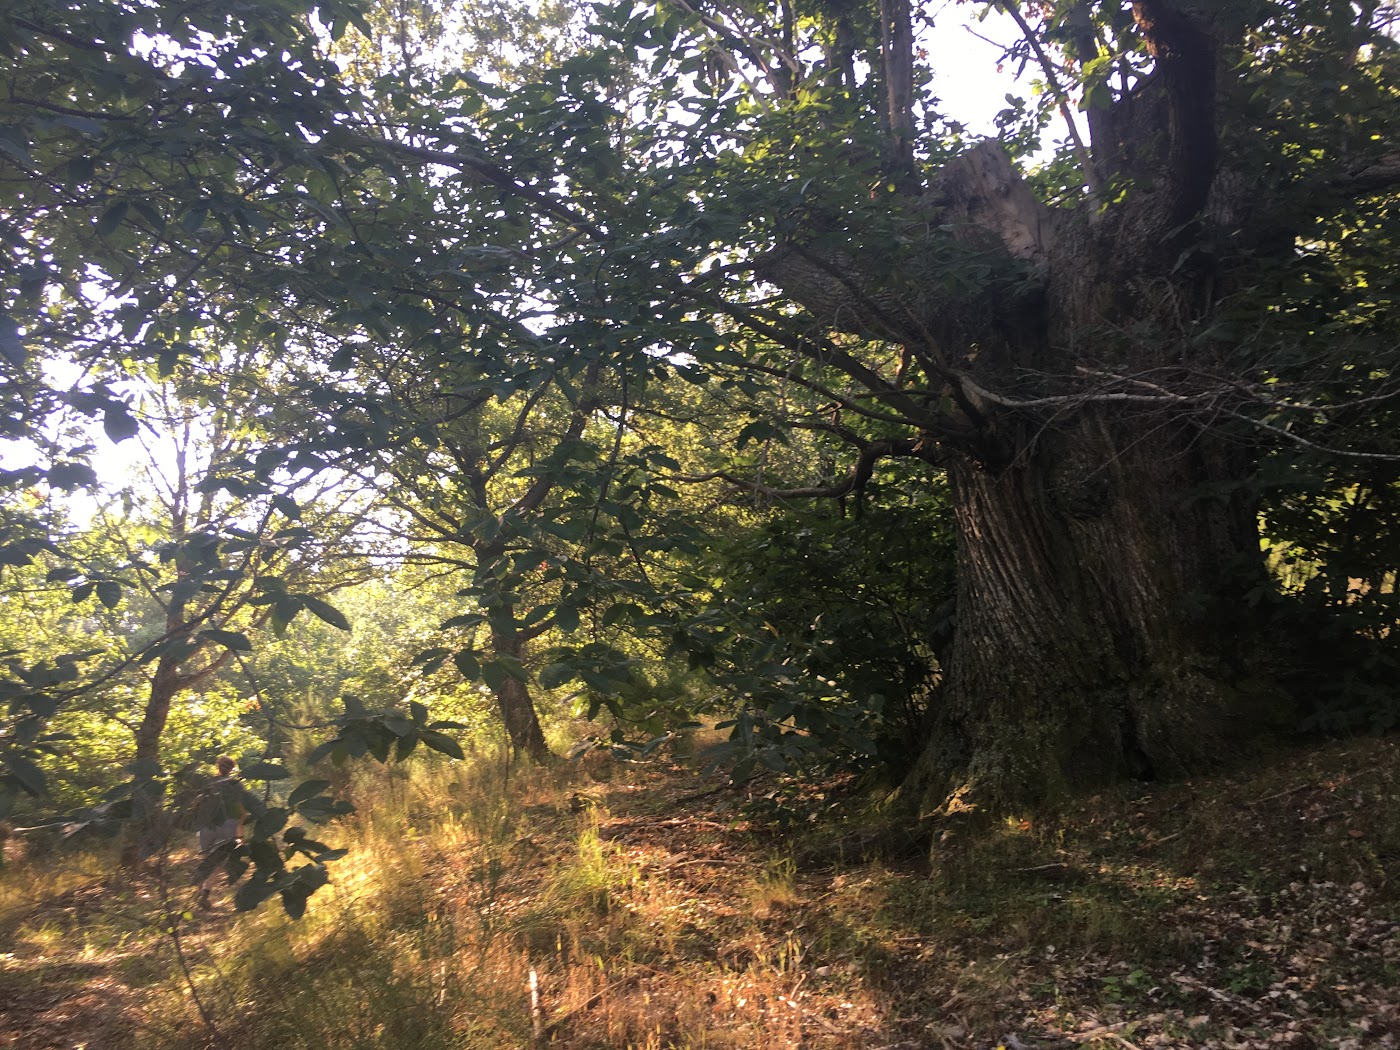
148	814
513	696
1102	632
165	685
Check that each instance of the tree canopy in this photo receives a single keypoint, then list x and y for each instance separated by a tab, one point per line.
705	339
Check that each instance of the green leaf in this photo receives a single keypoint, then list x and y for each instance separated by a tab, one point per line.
194	219
151	214
306	790
13	143
109	593
430	660
494	675
467	663
30	777
760	430
84	125
513	667
270	823
284	610
80	170
442	742
70	476
321	750
325	611
264	771
419	712
320	810
111	219
12	347
358	20
287	507
556	674
464	620
294	902
566	530
623	612
235	640
378	744
251	894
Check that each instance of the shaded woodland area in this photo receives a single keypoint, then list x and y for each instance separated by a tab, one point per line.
688	541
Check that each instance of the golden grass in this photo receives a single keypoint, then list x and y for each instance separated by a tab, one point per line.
480	911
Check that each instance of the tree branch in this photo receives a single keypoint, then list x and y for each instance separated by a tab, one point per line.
854	480
1086	159
1184	53
1376	177
897	48
488	171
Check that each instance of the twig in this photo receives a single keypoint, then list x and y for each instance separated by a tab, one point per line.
719	861
673	822
1086	160
591	1003
1280	794
703	794
172	927
536	1014
1106	1032
1165	838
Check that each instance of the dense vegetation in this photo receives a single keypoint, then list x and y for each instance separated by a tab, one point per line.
404	379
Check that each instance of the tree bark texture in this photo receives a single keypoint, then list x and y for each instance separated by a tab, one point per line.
165	686
513	696
1105	541
1102	632
148	826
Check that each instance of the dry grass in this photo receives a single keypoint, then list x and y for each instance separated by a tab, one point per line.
602	908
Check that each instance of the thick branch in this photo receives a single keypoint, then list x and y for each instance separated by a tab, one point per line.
1377	177
1184	53
541	486
897	45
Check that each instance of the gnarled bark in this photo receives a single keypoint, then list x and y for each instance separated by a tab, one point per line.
1104	544
1102	632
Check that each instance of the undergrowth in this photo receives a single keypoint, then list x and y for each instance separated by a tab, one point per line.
655	908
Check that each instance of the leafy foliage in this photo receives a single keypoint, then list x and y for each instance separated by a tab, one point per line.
827	635
579	342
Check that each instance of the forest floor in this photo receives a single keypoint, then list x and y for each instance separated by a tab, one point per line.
616	907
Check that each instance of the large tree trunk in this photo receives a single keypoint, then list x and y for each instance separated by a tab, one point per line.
1107	544
1102	627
